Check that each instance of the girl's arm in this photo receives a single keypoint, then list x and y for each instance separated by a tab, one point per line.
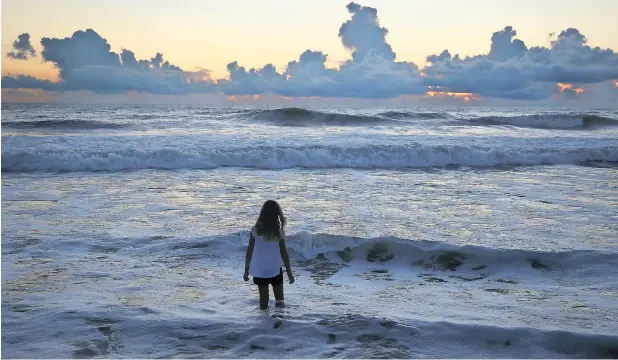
248	257
286	260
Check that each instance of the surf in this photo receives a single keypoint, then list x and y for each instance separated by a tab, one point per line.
363	156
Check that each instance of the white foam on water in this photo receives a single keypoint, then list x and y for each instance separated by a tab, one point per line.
165	298
392	156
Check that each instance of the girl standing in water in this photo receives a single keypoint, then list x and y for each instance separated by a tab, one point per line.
266	252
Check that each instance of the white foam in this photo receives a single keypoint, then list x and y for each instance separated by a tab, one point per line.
284	157
342	248
169	299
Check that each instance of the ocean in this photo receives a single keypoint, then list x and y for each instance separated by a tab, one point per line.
414	232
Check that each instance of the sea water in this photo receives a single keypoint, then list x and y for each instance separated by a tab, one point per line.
413	232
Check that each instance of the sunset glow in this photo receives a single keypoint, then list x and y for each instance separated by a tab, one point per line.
27	95
565	87
467	97
369	51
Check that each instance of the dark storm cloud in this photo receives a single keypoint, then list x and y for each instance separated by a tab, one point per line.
510	70
22	48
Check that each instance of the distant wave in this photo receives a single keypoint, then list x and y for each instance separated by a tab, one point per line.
63	124
223	112
546	121
413	115
304	117
294	116
283	157
144	116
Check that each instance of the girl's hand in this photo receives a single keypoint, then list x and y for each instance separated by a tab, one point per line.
246	276
291	277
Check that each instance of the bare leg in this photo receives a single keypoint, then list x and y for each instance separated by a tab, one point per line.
263	296
278	291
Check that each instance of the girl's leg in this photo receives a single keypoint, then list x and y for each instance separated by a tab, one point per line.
263	296
278	291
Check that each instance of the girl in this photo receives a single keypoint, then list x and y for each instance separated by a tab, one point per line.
265	253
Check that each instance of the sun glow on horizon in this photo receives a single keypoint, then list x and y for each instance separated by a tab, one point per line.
438	92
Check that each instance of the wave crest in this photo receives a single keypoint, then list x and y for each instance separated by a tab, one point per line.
294	116
285	157
304	117
412	115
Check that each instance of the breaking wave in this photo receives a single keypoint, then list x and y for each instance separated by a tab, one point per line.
441	256
305	117
302	117
285	157
413	115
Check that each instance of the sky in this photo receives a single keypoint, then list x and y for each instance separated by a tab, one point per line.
497	51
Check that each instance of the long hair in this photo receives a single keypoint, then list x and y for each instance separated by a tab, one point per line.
271	221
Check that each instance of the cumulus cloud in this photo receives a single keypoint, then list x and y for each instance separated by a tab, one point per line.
505	47
509	70
363	34
22	48
85	62
128	60
371	73
84	48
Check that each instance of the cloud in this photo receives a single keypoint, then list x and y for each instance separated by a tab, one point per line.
84	48
22	48
371	73
510	70
85	62
128	60
571	59
504	47
29	82
363	34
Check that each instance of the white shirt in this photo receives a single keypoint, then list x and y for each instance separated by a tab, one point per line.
266	259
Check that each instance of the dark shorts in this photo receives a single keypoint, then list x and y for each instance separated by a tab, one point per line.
274	281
